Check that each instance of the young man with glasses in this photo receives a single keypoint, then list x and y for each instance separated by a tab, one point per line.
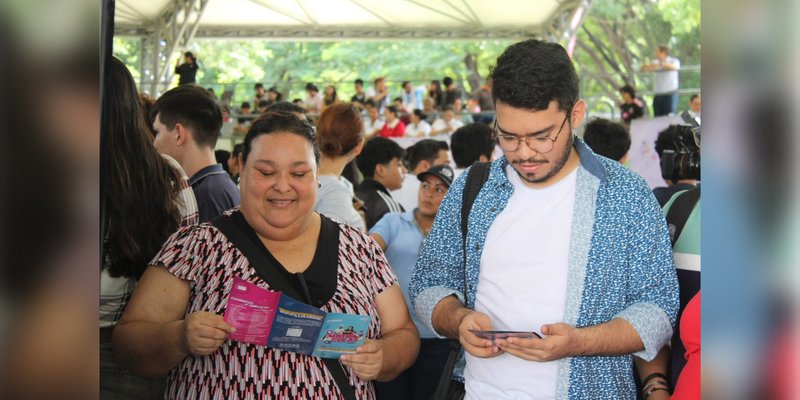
560	242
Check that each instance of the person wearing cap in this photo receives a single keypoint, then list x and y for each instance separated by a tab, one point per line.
418	158
400	236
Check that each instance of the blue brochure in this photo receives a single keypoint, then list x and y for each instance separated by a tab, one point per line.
296	326
276	320
341	334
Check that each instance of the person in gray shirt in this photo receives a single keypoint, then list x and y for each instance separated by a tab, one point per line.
340	134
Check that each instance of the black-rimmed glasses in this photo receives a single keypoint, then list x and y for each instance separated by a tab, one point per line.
537	143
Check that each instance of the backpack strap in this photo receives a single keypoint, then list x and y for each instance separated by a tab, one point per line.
268	272
478	175
679	212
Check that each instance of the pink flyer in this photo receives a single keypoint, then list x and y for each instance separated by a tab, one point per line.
251	310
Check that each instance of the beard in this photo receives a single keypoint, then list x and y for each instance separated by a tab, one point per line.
558	164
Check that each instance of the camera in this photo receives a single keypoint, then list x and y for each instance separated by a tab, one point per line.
679	149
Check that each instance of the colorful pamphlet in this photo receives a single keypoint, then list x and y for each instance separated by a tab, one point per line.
273	319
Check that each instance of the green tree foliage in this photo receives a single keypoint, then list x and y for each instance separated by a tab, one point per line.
289	65
618	36
128	50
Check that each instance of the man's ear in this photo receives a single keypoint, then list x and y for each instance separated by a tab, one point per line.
380	171
578	113
423	166
181	134
483	158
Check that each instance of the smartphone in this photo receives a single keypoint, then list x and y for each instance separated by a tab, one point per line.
492	335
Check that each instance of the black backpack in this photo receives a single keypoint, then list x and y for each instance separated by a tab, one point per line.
478	174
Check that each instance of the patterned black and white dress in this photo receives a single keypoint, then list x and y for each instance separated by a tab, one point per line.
205	258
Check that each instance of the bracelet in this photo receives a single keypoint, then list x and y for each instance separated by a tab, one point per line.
655	389
654	375
651	386
654	382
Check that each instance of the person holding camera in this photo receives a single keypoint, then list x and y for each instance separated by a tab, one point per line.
187	70
678	366
678	149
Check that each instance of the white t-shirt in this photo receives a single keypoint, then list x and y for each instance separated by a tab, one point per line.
372	127
314	103
335	200
454	124
457	172
371	93
422	129
408	194
522	286
692	114
666	81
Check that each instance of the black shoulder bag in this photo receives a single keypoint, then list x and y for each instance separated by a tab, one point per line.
688	281
447	388
679	212
268	272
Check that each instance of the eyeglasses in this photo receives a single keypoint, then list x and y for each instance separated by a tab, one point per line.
539	144
438	189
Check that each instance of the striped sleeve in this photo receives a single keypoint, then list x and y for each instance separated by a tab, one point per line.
187	203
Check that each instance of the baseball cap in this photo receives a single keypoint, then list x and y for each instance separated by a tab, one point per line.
443	172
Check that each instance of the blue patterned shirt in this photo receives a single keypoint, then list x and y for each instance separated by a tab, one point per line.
620	266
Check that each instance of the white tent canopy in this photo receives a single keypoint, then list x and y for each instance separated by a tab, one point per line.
167	26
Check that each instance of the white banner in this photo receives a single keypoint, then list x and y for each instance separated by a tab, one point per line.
642	157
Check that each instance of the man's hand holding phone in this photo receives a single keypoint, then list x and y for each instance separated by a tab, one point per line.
562	340
494	335
473	344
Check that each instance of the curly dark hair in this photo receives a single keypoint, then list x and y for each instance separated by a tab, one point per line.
629	90
672	137
532	73
285	106
607	138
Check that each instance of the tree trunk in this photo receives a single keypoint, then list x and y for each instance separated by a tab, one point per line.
473	77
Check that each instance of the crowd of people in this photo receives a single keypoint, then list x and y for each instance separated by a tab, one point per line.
421	111
439	102
511	224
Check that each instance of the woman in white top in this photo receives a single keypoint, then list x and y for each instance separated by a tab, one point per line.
146	197
340	134
447	123
314	101
418	127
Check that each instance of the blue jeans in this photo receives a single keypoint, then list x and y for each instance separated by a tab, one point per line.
665	104
117	383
